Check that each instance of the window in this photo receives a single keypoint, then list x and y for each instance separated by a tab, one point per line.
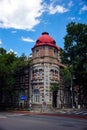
36	95
37	52
51	73
36	72
41	74
55	52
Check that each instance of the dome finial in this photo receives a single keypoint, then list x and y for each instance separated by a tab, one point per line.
45	33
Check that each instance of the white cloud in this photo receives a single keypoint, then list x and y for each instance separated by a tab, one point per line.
25	14
27	39
0	41
57	9
20	14
74	18
84	8
11	51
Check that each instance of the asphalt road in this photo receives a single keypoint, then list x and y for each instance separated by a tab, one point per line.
13	121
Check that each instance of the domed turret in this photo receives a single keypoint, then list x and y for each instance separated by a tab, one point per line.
45	69
45	39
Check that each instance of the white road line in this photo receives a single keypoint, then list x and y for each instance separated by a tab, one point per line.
85	113
2	117
16	114
62	112
80	113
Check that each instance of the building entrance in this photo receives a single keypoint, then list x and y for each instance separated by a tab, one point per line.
55	99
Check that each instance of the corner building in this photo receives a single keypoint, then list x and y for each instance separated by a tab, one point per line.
45	71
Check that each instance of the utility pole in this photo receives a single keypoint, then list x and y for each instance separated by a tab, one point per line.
72	91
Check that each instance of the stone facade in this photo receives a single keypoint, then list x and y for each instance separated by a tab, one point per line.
34	82
45	71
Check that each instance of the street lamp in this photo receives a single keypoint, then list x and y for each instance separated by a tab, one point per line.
72	96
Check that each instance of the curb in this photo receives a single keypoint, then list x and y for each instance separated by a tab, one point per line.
50	114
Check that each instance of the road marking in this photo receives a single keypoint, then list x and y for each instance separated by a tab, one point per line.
63	112
2	117
10	115
85	113
79	113
15	114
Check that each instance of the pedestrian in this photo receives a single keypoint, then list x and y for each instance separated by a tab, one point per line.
43	106
30	106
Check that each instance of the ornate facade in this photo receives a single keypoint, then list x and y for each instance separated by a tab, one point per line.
33	83
45	70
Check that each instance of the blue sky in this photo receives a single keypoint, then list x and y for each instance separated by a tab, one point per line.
23	21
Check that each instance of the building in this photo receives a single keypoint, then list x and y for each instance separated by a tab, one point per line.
21	87
45	71
33	83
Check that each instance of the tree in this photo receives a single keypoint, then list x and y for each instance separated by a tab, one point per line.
9	65
75	55
6	75
54	87
66	76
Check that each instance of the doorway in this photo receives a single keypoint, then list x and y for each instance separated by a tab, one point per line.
54	99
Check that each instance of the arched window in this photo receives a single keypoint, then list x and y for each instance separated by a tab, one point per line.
51	74
36	95
40	72
37	52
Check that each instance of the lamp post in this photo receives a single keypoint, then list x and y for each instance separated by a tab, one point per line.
72	91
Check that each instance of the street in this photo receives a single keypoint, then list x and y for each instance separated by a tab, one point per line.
14	121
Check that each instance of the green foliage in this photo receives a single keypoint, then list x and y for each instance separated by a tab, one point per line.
75	50
54	87
74	54
2	51
66	76
9	64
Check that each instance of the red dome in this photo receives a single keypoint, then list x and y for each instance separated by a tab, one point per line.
45	39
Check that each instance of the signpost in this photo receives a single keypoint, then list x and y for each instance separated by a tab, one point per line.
23	97
21	102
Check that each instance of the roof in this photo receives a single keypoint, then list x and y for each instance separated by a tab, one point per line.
44	40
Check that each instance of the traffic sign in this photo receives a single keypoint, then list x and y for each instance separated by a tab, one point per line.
23	97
